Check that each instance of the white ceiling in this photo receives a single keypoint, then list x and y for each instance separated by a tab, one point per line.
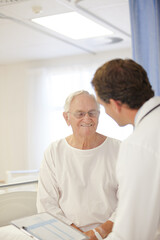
22	40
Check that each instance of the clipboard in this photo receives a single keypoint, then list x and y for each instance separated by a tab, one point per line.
44	226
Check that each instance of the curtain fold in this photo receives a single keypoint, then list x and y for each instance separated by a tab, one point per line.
145	28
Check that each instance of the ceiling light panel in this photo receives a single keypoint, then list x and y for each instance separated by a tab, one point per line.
73	25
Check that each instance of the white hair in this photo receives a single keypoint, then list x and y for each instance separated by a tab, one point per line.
73	95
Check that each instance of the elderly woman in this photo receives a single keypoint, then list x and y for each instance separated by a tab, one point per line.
77	181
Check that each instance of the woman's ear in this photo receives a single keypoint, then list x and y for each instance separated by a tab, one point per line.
66	117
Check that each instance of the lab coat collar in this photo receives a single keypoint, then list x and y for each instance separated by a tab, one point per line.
146	108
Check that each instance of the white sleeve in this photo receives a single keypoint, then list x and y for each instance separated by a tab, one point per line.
48	192
113	216
137	215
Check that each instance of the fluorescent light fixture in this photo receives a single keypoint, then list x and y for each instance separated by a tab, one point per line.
73	25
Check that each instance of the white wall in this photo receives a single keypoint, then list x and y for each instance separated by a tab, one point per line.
28	107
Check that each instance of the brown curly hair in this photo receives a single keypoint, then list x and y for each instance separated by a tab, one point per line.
123	80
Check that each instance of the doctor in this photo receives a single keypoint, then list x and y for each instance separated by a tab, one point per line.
123	88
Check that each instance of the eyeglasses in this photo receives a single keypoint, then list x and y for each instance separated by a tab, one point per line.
81	114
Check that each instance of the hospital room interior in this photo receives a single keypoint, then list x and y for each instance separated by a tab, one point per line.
40	66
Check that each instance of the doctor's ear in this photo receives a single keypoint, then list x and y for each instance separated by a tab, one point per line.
66	117
116	105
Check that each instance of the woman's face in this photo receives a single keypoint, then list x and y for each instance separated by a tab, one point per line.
83	124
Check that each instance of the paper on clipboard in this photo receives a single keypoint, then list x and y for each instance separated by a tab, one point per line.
44	226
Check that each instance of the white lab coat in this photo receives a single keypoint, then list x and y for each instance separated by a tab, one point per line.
138	174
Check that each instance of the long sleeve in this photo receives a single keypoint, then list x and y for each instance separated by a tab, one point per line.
48	191
113	216
138	209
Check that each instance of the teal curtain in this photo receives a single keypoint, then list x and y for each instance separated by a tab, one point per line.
145	31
